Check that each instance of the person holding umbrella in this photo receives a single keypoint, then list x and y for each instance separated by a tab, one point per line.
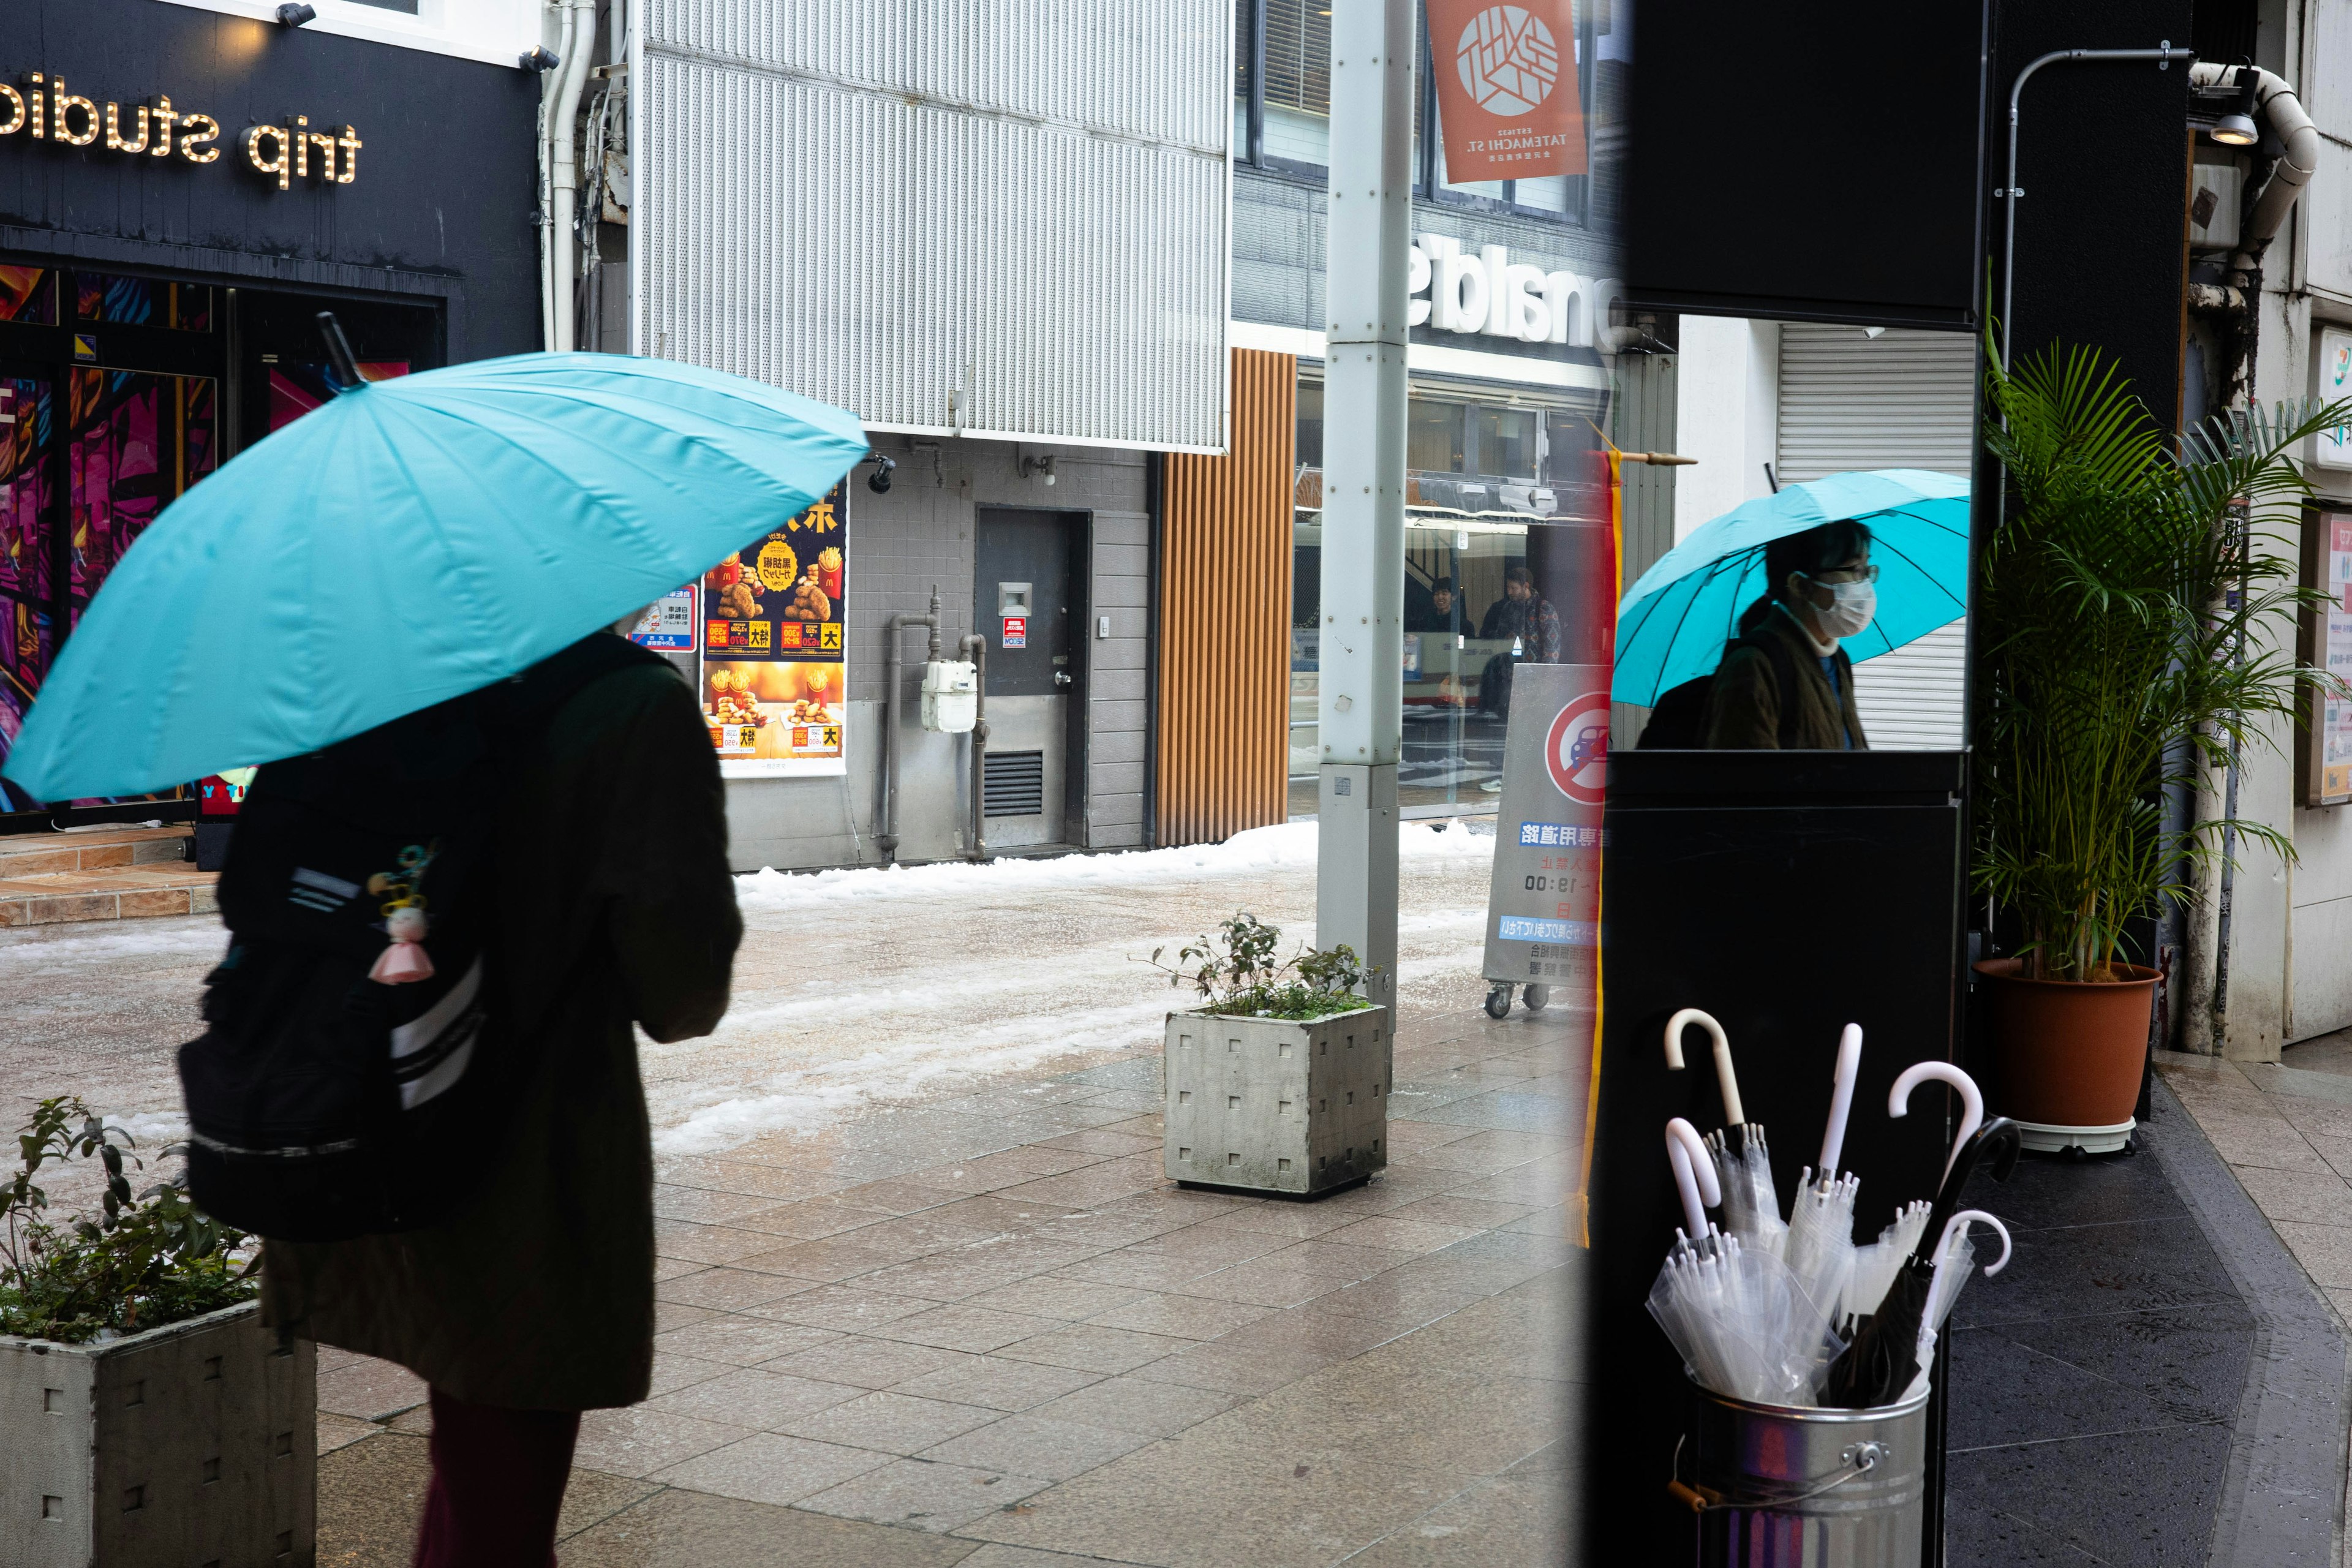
1786	684
488	527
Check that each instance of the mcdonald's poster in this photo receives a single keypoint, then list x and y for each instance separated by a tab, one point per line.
1506	89
776	691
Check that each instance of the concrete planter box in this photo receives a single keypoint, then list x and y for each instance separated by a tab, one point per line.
190	1445
1273	1106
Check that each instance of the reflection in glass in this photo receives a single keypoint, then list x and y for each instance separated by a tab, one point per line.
27	635
1507	442
1432	439
1298	81
29	295
105	296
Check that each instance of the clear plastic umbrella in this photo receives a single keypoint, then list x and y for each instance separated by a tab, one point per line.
1955	1255
1820	1250
1743	1165
1739	1319
1875	1263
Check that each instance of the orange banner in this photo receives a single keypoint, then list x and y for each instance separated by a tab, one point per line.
1506	90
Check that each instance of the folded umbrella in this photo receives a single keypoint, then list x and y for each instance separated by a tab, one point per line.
1743	1165
1879	1362
1820	1220
1737	1317
1954	1256
409	541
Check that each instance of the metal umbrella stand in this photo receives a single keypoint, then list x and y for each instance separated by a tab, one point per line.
1782	1486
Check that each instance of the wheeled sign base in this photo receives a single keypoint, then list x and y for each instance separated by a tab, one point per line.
1499	998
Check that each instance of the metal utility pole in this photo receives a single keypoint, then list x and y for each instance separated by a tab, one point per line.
1361	650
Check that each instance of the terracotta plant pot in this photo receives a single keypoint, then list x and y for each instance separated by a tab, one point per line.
2066	1053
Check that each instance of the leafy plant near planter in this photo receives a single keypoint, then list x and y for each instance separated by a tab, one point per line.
141	1264
1237	973
2130	625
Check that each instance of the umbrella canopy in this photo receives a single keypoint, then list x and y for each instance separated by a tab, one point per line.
1673	625
410	542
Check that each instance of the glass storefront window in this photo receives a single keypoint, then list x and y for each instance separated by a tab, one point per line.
1507	442
1311	424
106	298
1458	643
28	294
1434	437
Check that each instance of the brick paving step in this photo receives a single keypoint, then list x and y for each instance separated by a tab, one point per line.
111	874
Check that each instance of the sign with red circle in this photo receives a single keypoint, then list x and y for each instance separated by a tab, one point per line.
1576	751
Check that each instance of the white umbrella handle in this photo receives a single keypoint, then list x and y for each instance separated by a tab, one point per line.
1849	1068
1694	1174
1960	1222
1898	1100
1733	1116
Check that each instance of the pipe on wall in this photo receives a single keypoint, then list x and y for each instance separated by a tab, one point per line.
551	85
975	649
887	839
564	173
2282	113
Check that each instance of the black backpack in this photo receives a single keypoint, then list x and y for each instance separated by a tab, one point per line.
1678	719
323	1104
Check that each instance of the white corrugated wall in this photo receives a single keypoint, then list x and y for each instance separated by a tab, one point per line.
993	217
1901	400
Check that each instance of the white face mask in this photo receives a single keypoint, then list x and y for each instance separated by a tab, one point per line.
1851	604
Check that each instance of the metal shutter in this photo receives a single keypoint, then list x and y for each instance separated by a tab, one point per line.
1901	400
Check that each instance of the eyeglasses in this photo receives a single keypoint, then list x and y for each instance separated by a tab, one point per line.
1844	575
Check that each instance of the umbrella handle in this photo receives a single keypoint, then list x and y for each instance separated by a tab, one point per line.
1694	1174
1732	1114
1898	1100
1960	1222
1849	1068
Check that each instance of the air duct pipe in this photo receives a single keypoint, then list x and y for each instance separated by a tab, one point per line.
2281	114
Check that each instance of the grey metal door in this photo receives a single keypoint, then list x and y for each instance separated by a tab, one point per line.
1026	601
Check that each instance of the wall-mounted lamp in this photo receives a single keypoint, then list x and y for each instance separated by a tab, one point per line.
2237	128
295	16
542	60
878	481
1034	466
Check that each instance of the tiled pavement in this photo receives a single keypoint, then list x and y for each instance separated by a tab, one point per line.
989	1332
100	874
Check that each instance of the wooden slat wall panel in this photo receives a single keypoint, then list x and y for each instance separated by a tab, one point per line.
1224	617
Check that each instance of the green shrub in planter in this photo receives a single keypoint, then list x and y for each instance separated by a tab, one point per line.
139	1264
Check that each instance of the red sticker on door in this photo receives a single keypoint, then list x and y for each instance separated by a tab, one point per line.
1016	631
1577	750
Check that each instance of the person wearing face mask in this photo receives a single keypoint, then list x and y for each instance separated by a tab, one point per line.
1786	684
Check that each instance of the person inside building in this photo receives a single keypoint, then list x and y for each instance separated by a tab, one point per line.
1434	611
1525	620
1786	684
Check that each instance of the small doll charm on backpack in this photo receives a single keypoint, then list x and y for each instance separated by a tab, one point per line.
405	960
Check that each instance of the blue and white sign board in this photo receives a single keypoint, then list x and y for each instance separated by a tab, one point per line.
669	623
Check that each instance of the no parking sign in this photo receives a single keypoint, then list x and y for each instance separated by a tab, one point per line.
1543	910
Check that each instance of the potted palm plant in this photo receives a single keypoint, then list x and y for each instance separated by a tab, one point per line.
2133	605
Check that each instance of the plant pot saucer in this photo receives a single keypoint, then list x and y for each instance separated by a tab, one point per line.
2048	1137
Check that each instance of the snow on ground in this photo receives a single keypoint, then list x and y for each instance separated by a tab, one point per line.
853	988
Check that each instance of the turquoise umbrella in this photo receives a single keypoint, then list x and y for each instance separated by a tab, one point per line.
412	541
1671	626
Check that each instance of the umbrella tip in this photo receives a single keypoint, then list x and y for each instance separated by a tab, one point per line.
341	362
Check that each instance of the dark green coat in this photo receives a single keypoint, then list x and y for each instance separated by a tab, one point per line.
618	906
1744	706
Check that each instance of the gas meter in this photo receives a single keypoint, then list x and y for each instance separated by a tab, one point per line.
950	695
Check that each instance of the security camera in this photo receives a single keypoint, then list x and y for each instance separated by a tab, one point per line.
878	481
295	16
542	60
